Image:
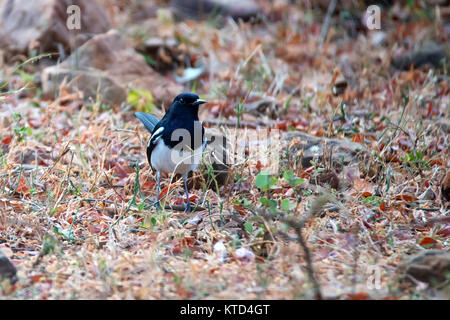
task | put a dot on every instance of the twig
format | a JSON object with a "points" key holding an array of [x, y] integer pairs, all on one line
{"points": [[112, 187], [326, 23], [63, 153], [298, 226], [178, 207], [20, 175], [233, 124]]}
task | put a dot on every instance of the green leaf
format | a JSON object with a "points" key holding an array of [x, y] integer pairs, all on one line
{"points": [[141, 100], [293, 181], [248, 227], [49, 245], [272, 204], [65, 233], [262, 180], [288, 175], [149, 60], [141, 206], [246, 203], [286, 205]]}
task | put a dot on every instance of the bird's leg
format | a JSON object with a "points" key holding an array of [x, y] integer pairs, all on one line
{"points": [[158, 178], [188, 204]]}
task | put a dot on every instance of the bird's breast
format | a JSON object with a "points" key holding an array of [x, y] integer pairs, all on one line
{"points": [[175, 160]]}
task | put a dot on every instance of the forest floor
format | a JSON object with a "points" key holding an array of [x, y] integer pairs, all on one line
{"points": [[75, 186]]}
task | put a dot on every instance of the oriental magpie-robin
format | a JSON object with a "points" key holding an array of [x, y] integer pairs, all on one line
{"points": [[177, 140]]}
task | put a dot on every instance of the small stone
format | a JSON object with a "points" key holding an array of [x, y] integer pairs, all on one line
{"points": [[7, 269], [430, 266], [445, 187], [326, 178], [427, 195], [245, 255], [203, 9], [343, 152], [431, 55], [220, 250], [339, 86]]}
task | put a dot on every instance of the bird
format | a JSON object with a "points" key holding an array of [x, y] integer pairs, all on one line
{"points": [[177, 140]]}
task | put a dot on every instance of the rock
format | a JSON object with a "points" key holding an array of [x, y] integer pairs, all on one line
{"points": [[88, 83], [204, 9], [264, 106], [42, 24], [31, 155], [216, 155], [378, 38], [430, 266], [326, 178], [443, 124], [427, 195], [445, 187], [431, 54], [107, 60], [7, 269], [220, 251], [313, 149], [339, 86], [244, 255], [166, 54]]}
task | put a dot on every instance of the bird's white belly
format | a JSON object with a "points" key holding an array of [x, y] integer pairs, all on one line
{"points": [[171, 161]]}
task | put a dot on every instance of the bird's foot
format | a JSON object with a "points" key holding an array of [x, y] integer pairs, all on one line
{"points": [[188, 207], [158, 205]]}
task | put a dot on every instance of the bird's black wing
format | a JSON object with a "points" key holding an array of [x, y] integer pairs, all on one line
{"points": [[149, 121], [153, 125], [157, 134]]}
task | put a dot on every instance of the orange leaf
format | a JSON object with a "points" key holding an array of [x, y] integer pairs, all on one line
{"points": [[435, 162], [405, 197], [444, 232], [430, 108], [241, 210], [192, 198], [165, 191], [359, 138], [358, 296], [148, 185], [22, 187], [96, 228], [362, 186], [383, 206], [428, 242], [301, 122], [188, 242], [7, 139], [367, 225], [282, 125]]}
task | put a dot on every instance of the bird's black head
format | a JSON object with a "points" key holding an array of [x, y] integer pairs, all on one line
{"points": [[186, 103], [188, 99]]}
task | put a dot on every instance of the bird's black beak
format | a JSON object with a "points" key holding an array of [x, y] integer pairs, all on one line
{"points": [[199, 101]]}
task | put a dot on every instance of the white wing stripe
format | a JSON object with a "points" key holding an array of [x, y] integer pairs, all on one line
{"points": [[156, 136]]}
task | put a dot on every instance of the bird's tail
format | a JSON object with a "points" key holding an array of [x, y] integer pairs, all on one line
{"points": [[148, 120]]}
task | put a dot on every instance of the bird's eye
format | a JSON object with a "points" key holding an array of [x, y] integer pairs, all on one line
{"points": [[182, 100]]}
